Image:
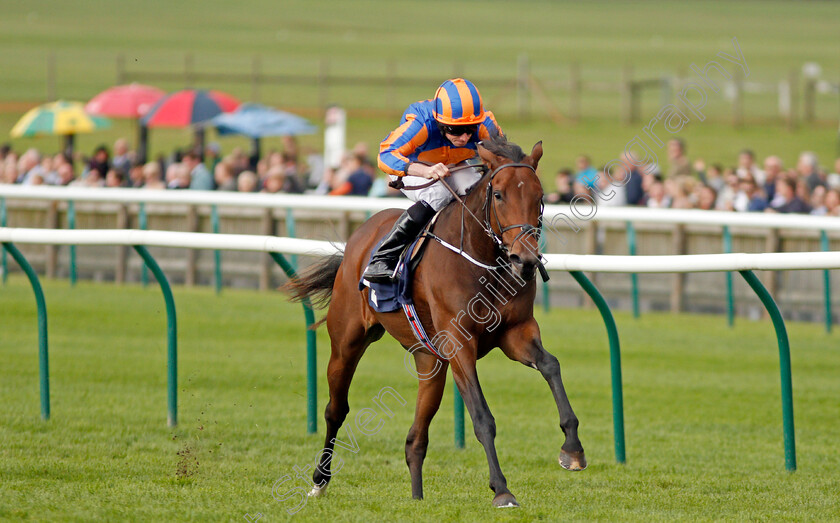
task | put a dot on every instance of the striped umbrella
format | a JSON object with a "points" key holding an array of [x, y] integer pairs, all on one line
{"points": [[188, 107], [58, 118], [61, 118]]}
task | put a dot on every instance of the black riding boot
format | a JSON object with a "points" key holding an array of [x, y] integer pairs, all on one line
{"points": [[383, 263]]}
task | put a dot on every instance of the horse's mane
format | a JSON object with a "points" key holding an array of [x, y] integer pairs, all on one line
{"points": [[500, 146]]}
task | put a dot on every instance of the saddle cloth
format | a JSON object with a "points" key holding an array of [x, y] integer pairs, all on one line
{"points": [[389, 297]]}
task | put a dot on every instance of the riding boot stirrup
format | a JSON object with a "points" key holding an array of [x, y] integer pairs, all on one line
{"points": [[383, 263]]}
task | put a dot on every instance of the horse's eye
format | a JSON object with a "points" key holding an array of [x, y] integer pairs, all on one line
{"points": [[497, 195]]}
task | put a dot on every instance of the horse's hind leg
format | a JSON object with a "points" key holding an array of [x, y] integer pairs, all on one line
{"points": [[523, 344], [348, 345], [429, 394]]}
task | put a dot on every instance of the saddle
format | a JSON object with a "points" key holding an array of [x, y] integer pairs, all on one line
{"points": [[389, 297]]}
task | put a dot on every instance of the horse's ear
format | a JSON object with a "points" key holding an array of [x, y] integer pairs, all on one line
{"points": [[536, 154], [489, 158]]}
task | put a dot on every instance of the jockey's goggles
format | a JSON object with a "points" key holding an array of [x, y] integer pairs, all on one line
{"points": [[458, 130]]}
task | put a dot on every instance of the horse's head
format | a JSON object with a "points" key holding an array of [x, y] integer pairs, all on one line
{"points": [[513, 205]]}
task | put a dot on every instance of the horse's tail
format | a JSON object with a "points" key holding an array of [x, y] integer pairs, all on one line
{"points": [[316, 282]]}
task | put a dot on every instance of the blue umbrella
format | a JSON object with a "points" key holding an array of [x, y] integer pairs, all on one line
{"points": [[257, 121]]}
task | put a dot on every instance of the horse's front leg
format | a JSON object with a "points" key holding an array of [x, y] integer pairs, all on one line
{"points": [[523, 344], [464, 373]]}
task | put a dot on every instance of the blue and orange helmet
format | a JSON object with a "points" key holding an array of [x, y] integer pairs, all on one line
{"points": [[458, 102]]}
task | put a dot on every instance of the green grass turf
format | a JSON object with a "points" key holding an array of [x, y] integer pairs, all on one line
{"points": [[431, 42], [704, 435]]}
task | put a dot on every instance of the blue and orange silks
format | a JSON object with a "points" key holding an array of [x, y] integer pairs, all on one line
{"points": [[419, 139]]}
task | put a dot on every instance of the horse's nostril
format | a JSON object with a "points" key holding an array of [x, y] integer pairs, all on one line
{"points": [[515, 259]]}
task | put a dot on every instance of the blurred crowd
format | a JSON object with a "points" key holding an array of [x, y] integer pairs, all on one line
{"points": [[747, 186], [682, 183], [289, 170]]}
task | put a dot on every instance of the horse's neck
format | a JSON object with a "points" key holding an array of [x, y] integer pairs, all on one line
{"points": [[475, 240]]}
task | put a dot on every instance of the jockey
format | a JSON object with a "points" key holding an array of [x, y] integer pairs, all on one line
{"points": [[438, 132]]}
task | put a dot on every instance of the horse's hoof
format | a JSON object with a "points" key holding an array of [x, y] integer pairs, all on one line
{"points": [[317, 491], [574, 461], [505, 500]]}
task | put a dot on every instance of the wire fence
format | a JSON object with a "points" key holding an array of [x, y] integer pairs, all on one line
{"points": [[521, 89]]}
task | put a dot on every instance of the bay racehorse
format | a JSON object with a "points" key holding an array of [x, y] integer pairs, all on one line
{"points": [[496, 228]]}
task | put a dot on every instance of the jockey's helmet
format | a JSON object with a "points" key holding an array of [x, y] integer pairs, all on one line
{"points": [[458, 102]]}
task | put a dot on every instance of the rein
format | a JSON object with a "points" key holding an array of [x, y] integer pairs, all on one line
{"points": [[486, 225]]}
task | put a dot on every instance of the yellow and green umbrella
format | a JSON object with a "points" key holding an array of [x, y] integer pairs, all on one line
{"points": [[58, 118]]}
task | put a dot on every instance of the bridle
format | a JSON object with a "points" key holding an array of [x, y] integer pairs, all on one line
{"points": [[487, 225], [490, 206]]}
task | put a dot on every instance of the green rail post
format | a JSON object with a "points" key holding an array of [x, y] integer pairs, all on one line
{"points": [[290, 232], [217, 254], [311, 353], [730, 298], [458, 417], [171, 335], [826, 284], [141, 218], [634, 278], [43, 349], [615, 362], [71, 224], [784, 366], [4, 266]]}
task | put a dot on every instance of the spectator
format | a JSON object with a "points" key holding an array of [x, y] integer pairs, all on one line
{"points": [[786, 200], [135, 175], [212, 156], [246, 182], [562, 188], [28, 165], [358, 182], [657, 199], [746, 165], [726, 196], [831, 204], [177, 176], [123, 158], [200, 178], [93, 179], [714, 177], [680, 190], [100, 162], [274, 181], [749, 197], [223, 176], [291, 182], [807, 169], [607, 194], [706, 198], [633, 185], [773, 170], [152, 176], [679, 163], [833, 179], [114, 178], [64, 174], [586, 174]]}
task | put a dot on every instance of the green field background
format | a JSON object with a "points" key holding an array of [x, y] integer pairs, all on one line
{"points": [[430, 42], [702, 402]]}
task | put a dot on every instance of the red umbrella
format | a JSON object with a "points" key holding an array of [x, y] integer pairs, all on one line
{"points": [[124, 101], [188, 107]]}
